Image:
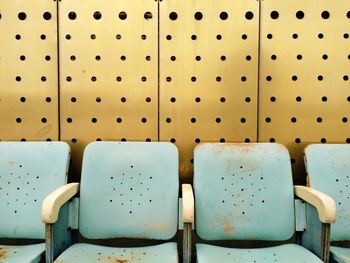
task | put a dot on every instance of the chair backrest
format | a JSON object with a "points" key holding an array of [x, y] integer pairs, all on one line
{"points": [[243, 192], [129, 189], [328, 167], [29, 171]]}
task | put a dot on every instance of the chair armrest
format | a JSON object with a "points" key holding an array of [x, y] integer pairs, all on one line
{"points": [[187, 204], [324, 204], [53, 203]]}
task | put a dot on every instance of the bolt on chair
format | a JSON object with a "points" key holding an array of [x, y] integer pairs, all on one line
{"points": [[29, 171], [328, 167], [245, 192], [127, 190]]}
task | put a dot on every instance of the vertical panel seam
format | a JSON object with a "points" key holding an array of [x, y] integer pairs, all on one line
{"points": [[158, 68], [58, 72], [259, 72]]}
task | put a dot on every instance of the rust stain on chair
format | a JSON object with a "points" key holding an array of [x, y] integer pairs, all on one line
{"points": [[3, 253]]}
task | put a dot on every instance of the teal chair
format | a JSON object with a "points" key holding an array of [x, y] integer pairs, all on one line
{"points": [[328, 167], [29, 171], [245, 192], [128, 190]]}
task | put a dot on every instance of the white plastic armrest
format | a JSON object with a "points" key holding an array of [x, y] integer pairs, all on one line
{"points": [[187, 204], [53, 203], [324, 204]]}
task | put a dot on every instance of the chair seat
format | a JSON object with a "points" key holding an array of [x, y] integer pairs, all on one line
{"points": [[23, 254], [86, 253], [290, 253], [340, 254]]}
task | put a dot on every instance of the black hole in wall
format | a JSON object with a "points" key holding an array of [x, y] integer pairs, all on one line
{"points": [[222, 99], [22, 99], [223, 15], [248, 58], [148, 99], [325, 57], [274, 14], [97, 15], [18, 120], [244, 36], [295, 36], [193, 37], [344, 119], [118, 36], [293, 119], [22, 16], [123, 99], [22, 58], [269, 36], [346, 36], [323, 140], [93, 36], [300, 14], [198, 15], [68, 37], [173, 140], [143, 37], [325, 14], [42, 37], [223, 58], [47, 16], [119, 120], [69, 120], [193, 120], [348, 14], [298, 99], [43, 78], [319, 119], [294, 78], [48, 99], [173, 16], [272, 140], [273, 99], [73, 99], [148, 15], [18, 37], [218, 37], [198, 99], [320, 35], [168, 37], [247, 140], [143, 120], [243, 120], [324, 98], [249, 15], [18, 78], [72, 15], [168, 120], [273, 57], [268, 119], [123, 15], [94, 120]]}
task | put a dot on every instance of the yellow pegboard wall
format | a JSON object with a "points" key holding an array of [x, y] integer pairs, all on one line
{"points": [[208, 74], [108, 72], [304, 75], [28, 70]]}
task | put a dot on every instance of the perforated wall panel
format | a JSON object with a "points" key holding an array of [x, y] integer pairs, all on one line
{"points": [[28, 70], [208, 73]]}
